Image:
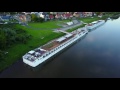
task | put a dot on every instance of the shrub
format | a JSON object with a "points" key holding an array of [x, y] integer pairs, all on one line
{"points": [[39, 19]]}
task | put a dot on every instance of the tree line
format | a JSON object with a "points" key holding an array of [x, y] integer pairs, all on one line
{"points": [[10, 35]]}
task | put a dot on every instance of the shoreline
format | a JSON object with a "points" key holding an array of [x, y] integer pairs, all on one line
{"points": [[7, 66]]}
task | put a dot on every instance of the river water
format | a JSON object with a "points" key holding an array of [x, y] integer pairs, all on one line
{"points": [[96, 55]]}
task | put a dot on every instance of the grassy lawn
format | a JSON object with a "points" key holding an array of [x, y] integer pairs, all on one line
{"points": [[89, 19], [39, 37], [49, 24], [70, 30]]}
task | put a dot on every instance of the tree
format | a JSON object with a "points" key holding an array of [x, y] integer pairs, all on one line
{"points": [[1, 55], [98, 13], [2, 40], [54, 14], [33, 17]]}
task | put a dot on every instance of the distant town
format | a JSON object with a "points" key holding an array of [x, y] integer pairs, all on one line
{"points": [[30, 16]]}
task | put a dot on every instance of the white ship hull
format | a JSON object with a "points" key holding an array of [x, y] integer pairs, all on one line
{"points": [[96, 25], [54, 51]]}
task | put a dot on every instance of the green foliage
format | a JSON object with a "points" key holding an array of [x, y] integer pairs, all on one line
{"points": [[1, 55], [2, 40], [10, 35], [33, 17], [36, 19], [98, 13], [39, 19]]}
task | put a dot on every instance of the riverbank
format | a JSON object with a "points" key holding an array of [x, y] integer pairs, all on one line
{"points": [[39, 37], [87, 20]]}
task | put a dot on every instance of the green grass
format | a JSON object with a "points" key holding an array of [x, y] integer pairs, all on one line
{"points": [[49, 24], [73, 29], [18, 50], [89, 19]]}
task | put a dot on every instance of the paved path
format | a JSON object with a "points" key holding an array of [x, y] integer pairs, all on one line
{"points": [[64, 32], [66, 28]]}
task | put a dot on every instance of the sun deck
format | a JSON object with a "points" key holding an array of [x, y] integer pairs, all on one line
{"points": [[47, 48], [34, 54], [57, 42]]}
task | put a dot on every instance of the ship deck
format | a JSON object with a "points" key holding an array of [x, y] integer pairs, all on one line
{"points": [[38, 52], [55, 43]]}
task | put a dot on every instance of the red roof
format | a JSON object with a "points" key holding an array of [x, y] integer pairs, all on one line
{"points": [[51, 16], [67, 15]]}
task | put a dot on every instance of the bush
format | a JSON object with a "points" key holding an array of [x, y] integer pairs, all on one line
{"points": [[1, 55], [39, 19], [18, 31], [33, 17]]}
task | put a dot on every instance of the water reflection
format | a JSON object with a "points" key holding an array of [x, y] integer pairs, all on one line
{"points": [[39, 67]]}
